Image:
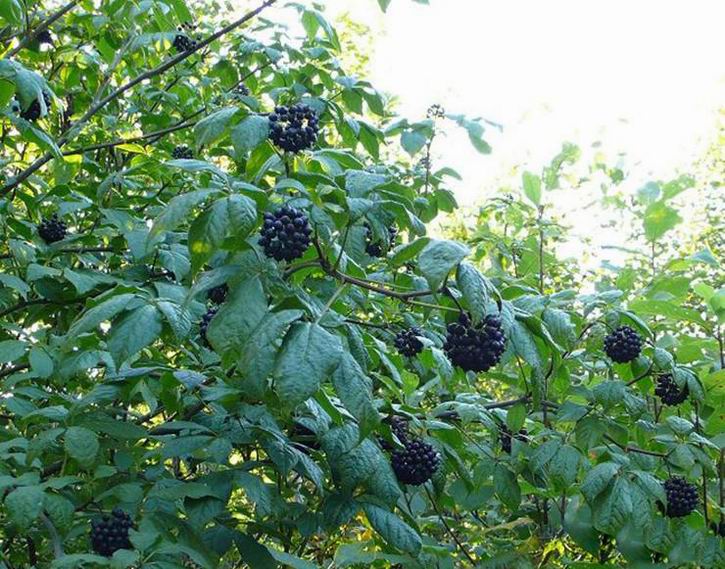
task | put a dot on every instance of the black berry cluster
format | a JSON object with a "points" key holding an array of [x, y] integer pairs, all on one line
{"points": [[407, 342], [669, 392], [378, 248], [44, 37], [623, 345], [33, 112], [241, 90], [182, 152], [52, 230], [436, 111], [205, 321], [183, 42], [681, 497], [110, 533], [218, 294], [285, 234], [475, 348], [506, 436], [416, 463], [294, 128], [399, 426]]}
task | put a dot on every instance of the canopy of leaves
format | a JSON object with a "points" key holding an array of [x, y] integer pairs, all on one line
{"points": [[265, 440]]}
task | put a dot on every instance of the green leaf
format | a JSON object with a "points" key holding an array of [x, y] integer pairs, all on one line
{"points": [[82, 445], [309, 355], [438, 259], [24, 505], [515, 417], [659, 218], [532, 187], [212, 127], [355, 391], [40, 362], [134, 331], [242, 312], [506, 487], [256, 555], [476, 289], [100, 313], [412, 141], [178, 210], [259, 352], [613, 508], [393, 530], [11, 350], [231, 217], [598, 479], [249, 134]]}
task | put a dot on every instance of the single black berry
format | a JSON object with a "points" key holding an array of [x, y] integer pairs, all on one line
{"points": [[399, 427], [285, 234], [110, 533], [623, 345], [682, 497], [379, 248], [293, 128], [416, 463], [669, 392], [505, 437], [33, 112], [44, 37], [475, 348], [407, 342], [184, 43], [205, 321], [218, 294], [52, 230], [182, 152]]}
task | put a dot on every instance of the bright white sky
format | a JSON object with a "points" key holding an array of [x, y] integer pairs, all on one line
{"points": [[644, 77]]}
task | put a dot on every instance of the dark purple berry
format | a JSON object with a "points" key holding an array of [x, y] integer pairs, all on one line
{"points": [[52, 230], [416, 463], [182, 152], [205, 321], [407, 342], [218, 294], [110, 533], [682, 498], [285, 234], [669, 392], [295, 128], [379, 248]]}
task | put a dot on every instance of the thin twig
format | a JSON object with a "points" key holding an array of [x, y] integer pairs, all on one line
{"points": [[42, 26], [448, 528]]}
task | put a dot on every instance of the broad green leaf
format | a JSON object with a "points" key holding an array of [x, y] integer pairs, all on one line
{"points": [[659, 218], [212, 127], [242, 312], [476, 288], [82, 445], [309, 356], [134, 331], [99, 313], [438, 259], [178, 210], [23, 505], [598, 479], [354, 389], [249, 133], [393, 530], [532, 187], [506, 487]]}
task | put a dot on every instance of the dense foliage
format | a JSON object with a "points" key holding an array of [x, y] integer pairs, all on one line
{"points": [[226, 339]]}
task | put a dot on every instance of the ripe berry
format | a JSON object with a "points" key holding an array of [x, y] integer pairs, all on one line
{"points": [[293, 128], [52, 230], [682, 497], [33, 112], [378, 248], [110, 533], [182, 152], [475, 348], [505, 437], [205, 321], [218, 294], [399, 426], [285, 234], [416, 463], [184, 43], [44, 37], [623, 345], [407, 342], [669, 392]]}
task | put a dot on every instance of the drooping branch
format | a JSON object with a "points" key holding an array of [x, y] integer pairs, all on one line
{"points": [[75, 128]]}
